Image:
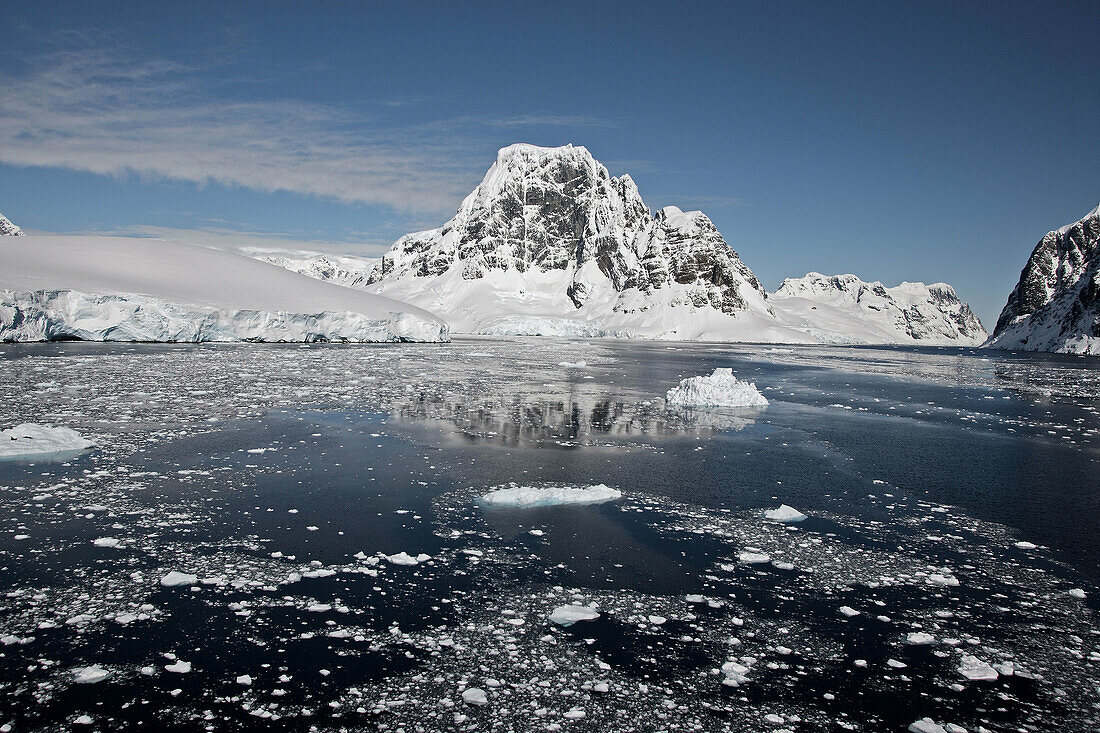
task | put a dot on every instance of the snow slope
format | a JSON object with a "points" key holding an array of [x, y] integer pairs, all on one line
{"points": [[842, 309], [550, 244], [1056, 304], [130, 289], [346, 270]]}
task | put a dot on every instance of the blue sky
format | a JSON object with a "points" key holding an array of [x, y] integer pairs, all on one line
{"points": [[925, 141]]}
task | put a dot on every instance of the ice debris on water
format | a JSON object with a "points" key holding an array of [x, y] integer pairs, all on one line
{"points": [[720, 389], [536, 496]]}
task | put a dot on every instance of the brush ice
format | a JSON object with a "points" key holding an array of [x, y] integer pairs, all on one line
{"points": [[532, 496], [130, 289], [571, 614], [30, 440], [784, 514], [720, 389]]}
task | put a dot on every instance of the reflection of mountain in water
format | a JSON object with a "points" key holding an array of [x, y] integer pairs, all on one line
{"points": [[569, 420]]}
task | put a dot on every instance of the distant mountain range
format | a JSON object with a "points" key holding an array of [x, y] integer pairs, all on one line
{"points": [[550, 244]]}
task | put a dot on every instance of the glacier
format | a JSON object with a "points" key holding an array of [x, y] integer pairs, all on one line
{"points": [[132, 289], [1056, 303]]}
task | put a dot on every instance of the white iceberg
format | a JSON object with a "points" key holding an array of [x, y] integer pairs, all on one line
{"points": [[720, 389], [536, 496], [30, 441], [571, 614], [784, 514]]}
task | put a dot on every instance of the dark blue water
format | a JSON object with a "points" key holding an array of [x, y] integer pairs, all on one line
{"points": [[282, 477]]}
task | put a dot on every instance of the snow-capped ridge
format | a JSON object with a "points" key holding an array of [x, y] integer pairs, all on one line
{"points": [[846, 309], [1055, 305], [549, 233], [7, 229]]}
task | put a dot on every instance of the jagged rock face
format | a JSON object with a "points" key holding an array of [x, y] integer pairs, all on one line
{"points": [[558, 209], [7, 229], [1056, 304], [907, 312]]}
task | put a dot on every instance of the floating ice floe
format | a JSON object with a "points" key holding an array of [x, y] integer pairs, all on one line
{"points": [[571, 614], [404, 558], [1078, 593], [179, 667], [35, 441], [90, 675], [176, 578], [919, 638], [784, 514], [534, 496], [106, 542], [474, 696], [720, 389], [973, 668]]}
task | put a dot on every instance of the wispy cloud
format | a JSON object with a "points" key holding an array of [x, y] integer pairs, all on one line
{"points": [[97, 109], [250, 242]]}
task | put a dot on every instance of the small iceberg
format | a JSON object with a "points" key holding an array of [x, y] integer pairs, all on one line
{"points": [[571, 614], [524, 497], [40, 441], [784, 514], [720, 389]]}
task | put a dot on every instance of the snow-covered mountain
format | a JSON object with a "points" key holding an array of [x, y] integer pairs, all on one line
{"points": [[346, 270], [550, 244], [7, 229], [131, 289], [1056, 304], [845, 309]]}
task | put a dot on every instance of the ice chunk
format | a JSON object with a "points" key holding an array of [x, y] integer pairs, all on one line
{"points": [[919, 638], [474, 696], [1078, 593], [531, 496], [849, 611], [754, 558], [720, 389], [179, 667], [973, 668], [106, 542], [32, 441], [571, 614], [784, 514], [176, 578], [90, 675], [926, 725], [404, 558]]}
